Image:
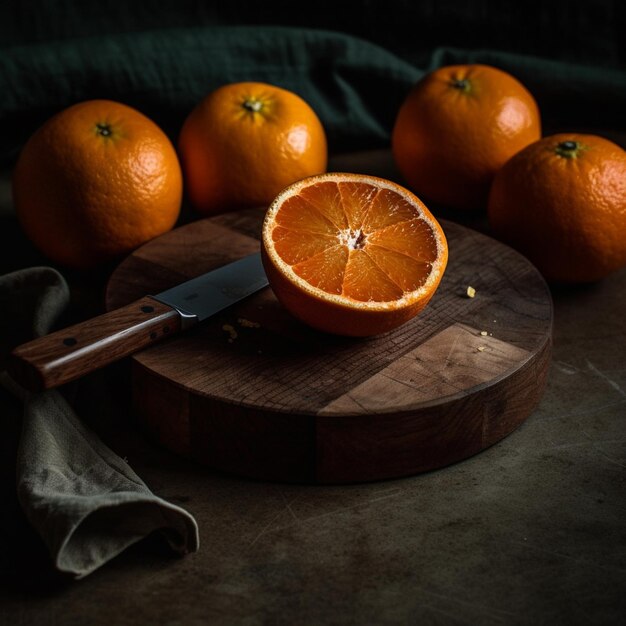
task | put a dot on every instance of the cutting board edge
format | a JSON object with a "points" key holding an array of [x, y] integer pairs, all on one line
{"points": [[306, 460]]}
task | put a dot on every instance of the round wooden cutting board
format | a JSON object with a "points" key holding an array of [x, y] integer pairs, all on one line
{"points": [[254, 392]]}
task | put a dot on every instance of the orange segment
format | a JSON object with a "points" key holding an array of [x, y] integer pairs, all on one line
{"points": [[414, 238], [294, 248], [298, 214], [325, 270], [356, 199], [325, 198], [365, 281], [352, 254], [387, 208], [406, 272]]}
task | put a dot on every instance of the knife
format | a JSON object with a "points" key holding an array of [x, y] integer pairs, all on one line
{"points": [[72, 352]]}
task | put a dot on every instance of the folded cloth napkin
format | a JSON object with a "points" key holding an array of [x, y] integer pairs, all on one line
{"points": [[86, 502]]}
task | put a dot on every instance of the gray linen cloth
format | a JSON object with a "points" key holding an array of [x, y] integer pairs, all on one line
{"points": [[85, 501]]}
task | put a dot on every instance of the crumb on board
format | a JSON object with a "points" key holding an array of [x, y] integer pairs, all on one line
{"points": [[231, 331], [471, 292], [483, 333], [480, 348], [247, 323]]}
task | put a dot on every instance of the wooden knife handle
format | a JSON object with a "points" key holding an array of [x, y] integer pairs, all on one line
{"points": [[77, 350]]}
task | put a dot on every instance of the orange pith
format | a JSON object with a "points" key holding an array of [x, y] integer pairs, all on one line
{"points": [[352, 254]]}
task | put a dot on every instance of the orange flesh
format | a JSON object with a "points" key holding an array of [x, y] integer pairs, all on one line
{"points": [[355, 240]]}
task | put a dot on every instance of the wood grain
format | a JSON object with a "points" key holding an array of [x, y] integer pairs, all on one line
{"points": [[72, 352], [254, 392]]}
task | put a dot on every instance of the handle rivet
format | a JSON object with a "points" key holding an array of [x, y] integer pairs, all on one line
{"points": [[147, 309], [70, 341], [166, 329]]}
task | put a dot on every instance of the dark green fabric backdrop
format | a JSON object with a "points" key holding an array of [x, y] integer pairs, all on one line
{"points": [[353, 62]]}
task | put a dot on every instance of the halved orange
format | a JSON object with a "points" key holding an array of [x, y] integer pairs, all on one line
{"points": [[352, 254]]}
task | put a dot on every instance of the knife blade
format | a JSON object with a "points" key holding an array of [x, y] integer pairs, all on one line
{"points": [[72, 352]]}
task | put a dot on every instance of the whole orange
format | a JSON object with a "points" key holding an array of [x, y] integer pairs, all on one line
{"points": [[457, 127], [562, 202], [246, 141], [94, 182]]}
